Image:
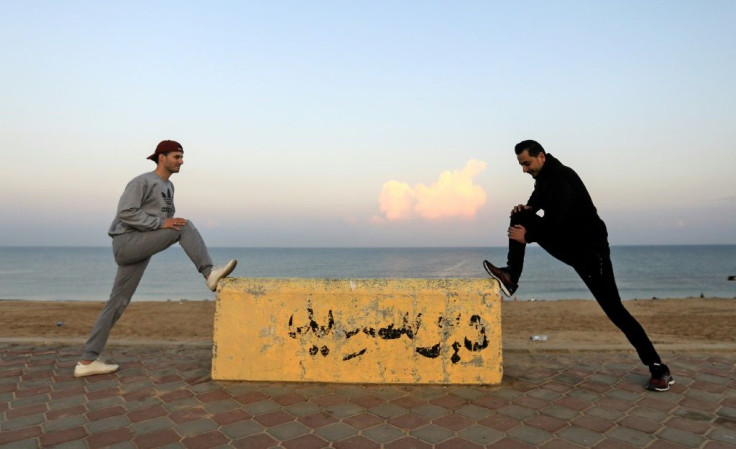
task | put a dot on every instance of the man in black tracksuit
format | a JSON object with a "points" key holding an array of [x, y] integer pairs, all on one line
{"points": [[571, 231]]}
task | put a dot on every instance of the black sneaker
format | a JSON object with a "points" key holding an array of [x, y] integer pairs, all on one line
{"points": [[502, 276], [661, 378]]}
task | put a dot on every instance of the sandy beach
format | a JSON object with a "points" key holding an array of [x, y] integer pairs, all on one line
{"points": [[673, 324]]}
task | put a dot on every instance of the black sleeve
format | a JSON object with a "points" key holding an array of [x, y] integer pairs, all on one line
{"points": [[558, 212]]}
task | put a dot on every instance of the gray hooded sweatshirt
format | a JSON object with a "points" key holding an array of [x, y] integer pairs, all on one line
{"points": [[146, 202]]}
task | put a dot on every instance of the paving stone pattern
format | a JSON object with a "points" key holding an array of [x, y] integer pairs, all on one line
{"points": [[163, 397]]}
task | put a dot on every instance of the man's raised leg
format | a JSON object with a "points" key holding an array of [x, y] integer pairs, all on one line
{"points": [[508, 276], [194, 246]]}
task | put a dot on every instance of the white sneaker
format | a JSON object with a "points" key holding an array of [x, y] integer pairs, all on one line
{"points": [[96, 367], [219, 273]]}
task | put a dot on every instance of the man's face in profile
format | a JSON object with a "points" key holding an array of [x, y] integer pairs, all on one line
{"points": [[531, 164]]}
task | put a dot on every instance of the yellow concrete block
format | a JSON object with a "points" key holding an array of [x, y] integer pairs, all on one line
{"points": [[412, 331]]}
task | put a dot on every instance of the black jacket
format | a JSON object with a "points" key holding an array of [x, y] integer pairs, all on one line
{"points": [[569, 213]]}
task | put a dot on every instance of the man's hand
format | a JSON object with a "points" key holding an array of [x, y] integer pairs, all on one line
{"points": [[520, 207], [174, 223], [517, 233]]}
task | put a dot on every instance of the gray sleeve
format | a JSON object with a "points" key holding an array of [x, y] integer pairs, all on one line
{"points": [[130, 207]]}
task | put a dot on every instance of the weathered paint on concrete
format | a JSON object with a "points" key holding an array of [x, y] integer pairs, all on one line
{"points": [[426, 331]]}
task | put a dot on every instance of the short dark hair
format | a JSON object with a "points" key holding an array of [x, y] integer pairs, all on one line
{"points": [[532, 146]]}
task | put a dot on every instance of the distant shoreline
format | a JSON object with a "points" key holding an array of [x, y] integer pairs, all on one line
{"points": [[87, 273]]}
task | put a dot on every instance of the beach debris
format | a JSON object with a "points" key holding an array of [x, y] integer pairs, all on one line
{"points": [[538, 338], [59, 323]]}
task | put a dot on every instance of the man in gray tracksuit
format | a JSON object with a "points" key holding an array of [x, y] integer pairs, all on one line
{"points": [[145, 225]]}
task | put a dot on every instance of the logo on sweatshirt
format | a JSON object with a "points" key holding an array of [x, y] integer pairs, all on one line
{"points": [[169, 200]]}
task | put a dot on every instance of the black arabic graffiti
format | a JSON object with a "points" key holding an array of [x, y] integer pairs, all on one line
{"points": [[392, 332], [319, 331]]}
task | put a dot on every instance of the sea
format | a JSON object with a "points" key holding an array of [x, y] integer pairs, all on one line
{"points": [[642, 272]]}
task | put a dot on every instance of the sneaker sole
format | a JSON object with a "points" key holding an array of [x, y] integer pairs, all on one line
{"points": [[95, 373], [669, 384], [500, 284], [229, 268]]}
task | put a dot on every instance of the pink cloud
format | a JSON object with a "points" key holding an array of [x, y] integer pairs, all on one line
{"points": [[397, 200], [453, 195]]}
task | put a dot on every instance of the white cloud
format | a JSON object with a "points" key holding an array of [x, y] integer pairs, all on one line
{"points": [[453, 195]]}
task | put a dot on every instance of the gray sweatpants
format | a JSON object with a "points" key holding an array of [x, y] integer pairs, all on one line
{"points": [[132, 253]]}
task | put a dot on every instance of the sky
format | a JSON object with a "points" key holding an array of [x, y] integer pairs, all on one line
{"points": [[379, 124]]}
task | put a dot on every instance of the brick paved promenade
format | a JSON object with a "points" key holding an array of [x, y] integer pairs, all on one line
{"points": [[163, 397]]}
